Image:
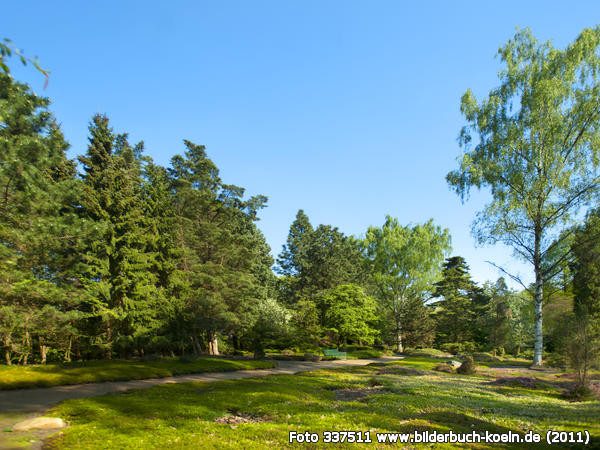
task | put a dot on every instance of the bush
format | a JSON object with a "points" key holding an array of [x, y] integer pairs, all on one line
{"points": [[187, 358], [485, 357], [428, 352], [557, 361], [469, 347], [366, 354], [225, 344], [452, 347], [312, 357], [354, 348], [467, 367]]}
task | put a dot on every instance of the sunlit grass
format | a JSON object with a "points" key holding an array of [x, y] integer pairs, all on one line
{"points": [[183, 415], [19, 377]]}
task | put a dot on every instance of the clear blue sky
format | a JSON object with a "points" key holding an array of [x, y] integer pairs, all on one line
{"points": [[346, 109]]}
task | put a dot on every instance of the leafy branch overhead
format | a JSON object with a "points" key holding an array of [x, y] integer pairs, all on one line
{"points": [[534, 142], [7, 49]]}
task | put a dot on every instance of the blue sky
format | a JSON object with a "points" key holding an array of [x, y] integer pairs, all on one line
{"points": [[346, 109]]}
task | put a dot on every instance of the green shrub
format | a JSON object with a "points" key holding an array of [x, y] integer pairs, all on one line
{"points": [[469, 347], [485, 357], [187, 358], [366, 354], [452, 347], [354, 348], [467, 367], [428, 352], [557, 360]]}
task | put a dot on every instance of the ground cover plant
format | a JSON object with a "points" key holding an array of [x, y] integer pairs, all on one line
{"points": [[20, 377], [253, 413]]}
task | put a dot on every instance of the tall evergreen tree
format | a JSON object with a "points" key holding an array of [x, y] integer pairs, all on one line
{"points": [[461, 304], [224, 255], [317, 259], [122, 289], [39, 232]]}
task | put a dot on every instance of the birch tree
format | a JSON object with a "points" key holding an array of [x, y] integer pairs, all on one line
{"points": [[537, 151]]}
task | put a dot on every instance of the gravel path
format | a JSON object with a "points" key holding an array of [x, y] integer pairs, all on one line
{"points": [[43, 398]]}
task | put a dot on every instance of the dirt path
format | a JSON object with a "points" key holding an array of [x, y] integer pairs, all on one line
{"points": [[43, 398]]}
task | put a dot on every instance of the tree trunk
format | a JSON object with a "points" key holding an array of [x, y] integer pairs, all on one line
{"points": [[213, 344], [539, 295], [27, 346], [399, 346], [108, 340], [68, 350], [396, 306], [43, 353], [7, 355], [195, 345]]}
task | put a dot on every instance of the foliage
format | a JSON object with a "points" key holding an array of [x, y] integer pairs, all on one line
{"points": [[467, 367], [40, 232], [349, 313], [314, 260], [507, 318], [462, 303], [7, 48], [121, 286], [583, 344], [272, 322], [405, 262], [539, 137]]}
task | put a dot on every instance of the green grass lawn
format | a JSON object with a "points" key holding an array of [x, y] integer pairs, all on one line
{"points": [[19, 377], [257, 413]]}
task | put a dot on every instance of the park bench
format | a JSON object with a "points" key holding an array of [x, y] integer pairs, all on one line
{"points": [[334, 352]]}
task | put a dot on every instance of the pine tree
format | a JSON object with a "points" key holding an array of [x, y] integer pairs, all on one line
{"points": [[224, 255]]}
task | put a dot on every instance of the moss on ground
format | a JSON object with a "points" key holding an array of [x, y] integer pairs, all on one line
{"points": [[21, 377], [260, 412]]}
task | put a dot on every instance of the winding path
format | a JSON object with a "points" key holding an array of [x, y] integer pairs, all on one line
{"points": [[43, 398]]}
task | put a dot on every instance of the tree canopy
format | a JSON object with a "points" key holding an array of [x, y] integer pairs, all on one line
{"points": [[534, 142], [406, 262]]}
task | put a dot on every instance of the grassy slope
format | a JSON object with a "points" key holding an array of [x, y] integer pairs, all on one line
{"points": [[19, 377], [183, 415]]}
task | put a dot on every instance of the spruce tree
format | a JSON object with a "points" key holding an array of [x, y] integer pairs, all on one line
{"points": [[122, 289]]}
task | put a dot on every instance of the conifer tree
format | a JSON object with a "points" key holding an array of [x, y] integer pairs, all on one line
{"points": [[39, 232], [224, 255], [122, 289], [458, 310]]}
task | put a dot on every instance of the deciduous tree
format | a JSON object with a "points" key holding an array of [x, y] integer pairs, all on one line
{"points": [[537, 149], [406, 262]]}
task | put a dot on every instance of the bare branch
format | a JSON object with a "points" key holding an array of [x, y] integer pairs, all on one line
{"points": [[513, 277]]}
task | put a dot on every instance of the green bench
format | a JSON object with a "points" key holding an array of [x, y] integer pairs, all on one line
{"points": [[334, 352]]}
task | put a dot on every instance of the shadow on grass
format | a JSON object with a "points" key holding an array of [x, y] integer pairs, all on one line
{"points": [[307, 401]]}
